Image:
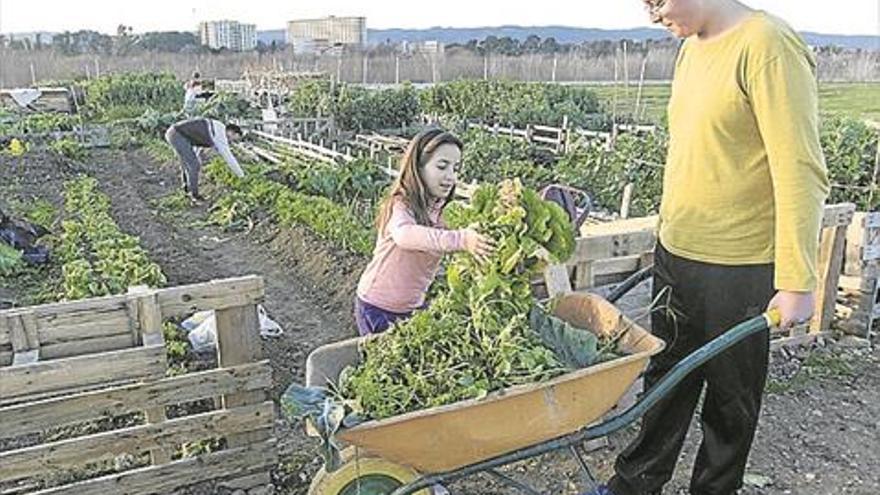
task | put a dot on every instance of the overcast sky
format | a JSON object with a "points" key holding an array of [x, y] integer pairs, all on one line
{"points": [[839, 16]]}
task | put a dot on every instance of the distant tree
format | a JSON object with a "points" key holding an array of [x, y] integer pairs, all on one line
{"points": [[532, 44], [168, 41], [549, 45], [123, 41], [83, 41]]}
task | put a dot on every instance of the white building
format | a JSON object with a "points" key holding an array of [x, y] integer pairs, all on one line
{"points": [[231, 35], [312, 35]]}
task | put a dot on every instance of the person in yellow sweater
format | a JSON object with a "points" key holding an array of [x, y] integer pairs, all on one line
{"points": [[743, 192]]}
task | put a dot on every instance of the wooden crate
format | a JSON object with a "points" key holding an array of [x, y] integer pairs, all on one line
{"points": [[79, 362], [861, 272], [51, 100]]}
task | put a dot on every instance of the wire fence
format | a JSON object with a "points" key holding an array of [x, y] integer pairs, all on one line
{"points": [[24, 68]]}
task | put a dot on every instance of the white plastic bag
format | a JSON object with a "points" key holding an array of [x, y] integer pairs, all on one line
{"points": [[201, 329], [268, 326]]}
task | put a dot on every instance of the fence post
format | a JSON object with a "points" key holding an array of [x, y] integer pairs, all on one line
{"points": [[627, 200], [876, 176], [365, 68], [831, 249], [238, 342], [145, 305], [565, 135]]}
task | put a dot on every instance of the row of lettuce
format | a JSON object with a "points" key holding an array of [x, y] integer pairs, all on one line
{"points": [[91, 257]]}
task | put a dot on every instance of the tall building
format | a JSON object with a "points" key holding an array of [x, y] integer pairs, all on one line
{"points": [[231, 35], [309, 35]]}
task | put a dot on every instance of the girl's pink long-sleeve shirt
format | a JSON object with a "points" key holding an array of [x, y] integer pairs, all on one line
{"points": [[405, 261]]}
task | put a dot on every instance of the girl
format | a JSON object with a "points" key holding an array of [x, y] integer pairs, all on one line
{"points": [[411, 236]]}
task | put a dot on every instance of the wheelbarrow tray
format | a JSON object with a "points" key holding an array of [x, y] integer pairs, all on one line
{"points": [[452, 436]]}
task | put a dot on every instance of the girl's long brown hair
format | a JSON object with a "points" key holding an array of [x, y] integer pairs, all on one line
{"points": [[408, 187]]}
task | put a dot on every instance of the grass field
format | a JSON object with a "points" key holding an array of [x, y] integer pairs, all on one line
{"points": [[860, 100]]}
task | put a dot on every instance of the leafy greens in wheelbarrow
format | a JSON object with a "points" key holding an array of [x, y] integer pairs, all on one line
{"points": [[482, 332]]}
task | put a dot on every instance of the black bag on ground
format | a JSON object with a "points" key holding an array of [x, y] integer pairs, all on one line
{"points": [[23, 235]]}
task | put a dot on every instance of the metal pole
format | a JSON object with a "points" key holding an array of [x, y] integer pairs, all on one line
{"points": [[641, 84], [366, 67], [625, 71]]}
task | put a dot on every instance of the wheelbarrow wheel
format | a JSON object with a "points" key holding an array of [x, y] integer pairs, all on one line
{"points": [[361, 473]]}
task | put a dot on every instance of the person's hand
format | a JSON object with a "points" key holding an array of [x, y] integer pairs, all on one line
{"points": [[478, 245], [794, 307]]}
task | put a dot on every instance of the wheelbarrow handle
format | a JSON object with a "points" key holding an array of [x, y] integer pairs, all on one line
{"points": [[683, 368], [673, 377]]}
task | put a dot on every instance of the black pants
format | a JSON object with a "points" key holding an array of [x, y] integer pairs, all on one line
{"points": [[706, 300], [190, 162]]}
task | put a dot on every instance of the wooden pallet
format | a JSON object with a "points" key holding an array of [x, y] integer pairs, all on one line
{"points": [[79, 362], [608, 253], [51, 100], [862, 271]]}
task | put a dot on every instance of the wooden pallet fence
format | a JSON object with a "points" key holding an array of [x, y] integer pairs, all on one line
{"points": [[549, 137], [79, 362], [862, 271], [280, 146], [294, 126], [609, 252]]}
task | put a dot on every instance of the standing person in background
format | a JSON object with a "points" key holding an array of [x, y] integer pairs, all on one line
{"points": [[192, 90], [743, 192], [187, 135]]}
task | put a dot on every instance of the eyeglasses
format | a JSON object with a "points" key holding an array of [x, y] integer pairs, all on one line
{"points": [[654, 7]]}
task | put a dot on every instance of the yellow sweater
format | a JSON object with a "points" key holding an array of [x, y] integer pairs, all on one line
{"points": [[745, 179]]}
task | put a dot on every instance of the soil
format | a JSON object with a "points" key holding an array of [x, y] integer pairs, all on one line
{"points": [[819, 432]]}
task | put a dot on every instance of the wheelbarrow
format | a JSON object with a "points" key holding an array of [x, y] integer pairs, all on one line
{"points": [[410, 453]]}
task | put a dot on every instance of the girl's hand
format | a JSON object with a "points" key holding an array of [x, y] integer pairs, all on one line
{"points": [[480, 246]]}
